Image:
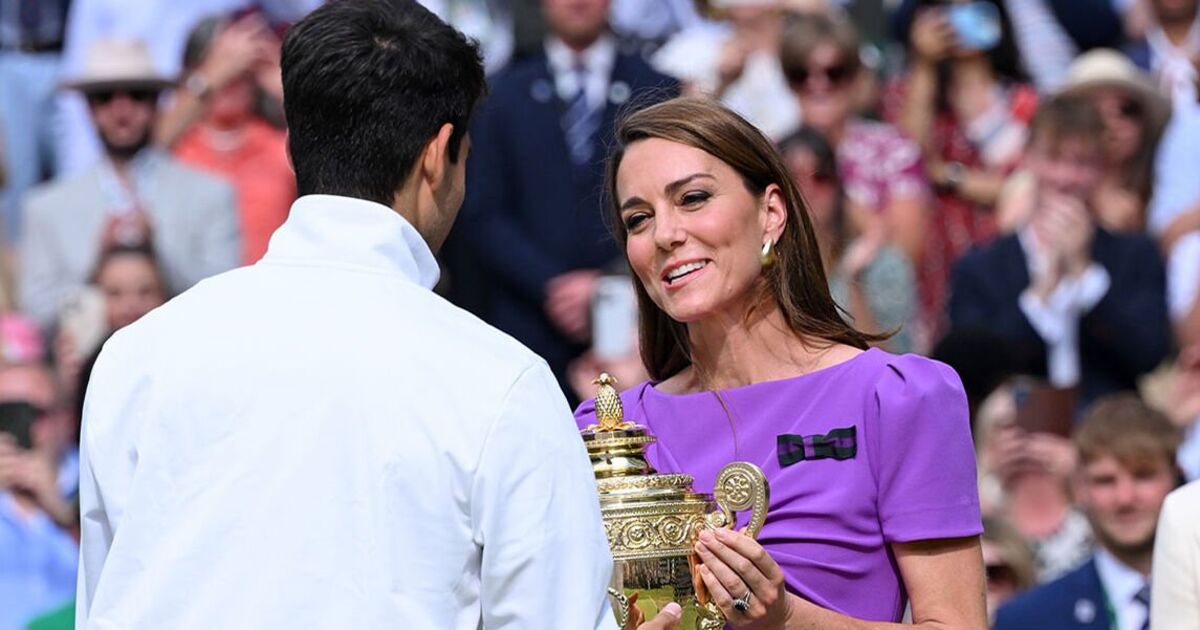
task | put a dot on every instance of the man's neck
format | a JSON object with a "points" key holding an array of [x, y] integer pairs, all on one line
{"points": [[1138, 560], [1176, 30], [579, 45]]}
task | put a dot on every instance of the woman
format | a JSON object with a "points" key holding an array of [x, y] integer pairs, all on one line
{"points": [[881, 169], [747, 351], [868, 277], [735, 60], [969, 109], [1008, 562], [230, 138], [131, 282]]}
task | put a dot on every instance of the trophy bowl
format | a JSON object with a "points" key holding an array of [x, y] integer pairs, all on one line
{"points": [[652, 520]]}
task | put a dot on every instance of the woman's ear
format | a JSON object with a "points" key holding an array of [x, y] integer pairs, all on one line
{"points": [[774, 213]]}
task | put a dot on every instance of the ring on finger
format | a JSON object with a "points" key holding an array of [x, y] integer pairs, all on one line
{"points": [[742, 604]]}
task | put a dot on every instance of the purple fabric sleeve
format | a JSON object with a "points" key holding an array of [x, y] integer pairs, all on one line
{"points": [[922, 454]]}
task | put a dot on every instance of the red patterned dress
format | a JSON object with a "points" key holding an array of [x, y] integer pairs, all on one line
{"points": [[955, 224]]}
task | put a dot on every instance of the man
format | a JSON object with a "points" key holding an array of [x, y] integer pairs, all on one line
{"points": [[1126, 468], [163, 25], [533, 218], [1170, 48], [38, 475], [1081, 306], [1177, 562], [135, 194], [31, 42], [319, 440]]}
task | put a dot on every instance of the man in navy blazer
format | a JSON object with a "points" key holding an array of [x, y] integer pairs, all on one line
{"points": [[1126, 455], [1077, 304], [532, 221]]}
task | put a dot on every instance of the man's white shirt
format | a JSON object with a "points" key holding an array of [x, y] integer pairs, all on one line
{"points": [[320, 441]]}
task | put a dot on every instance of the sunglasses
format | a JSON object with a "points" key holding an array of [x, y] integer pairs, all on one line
{"points": [[1131, 109], [1001, 573], [836, 74], [107, 96]]}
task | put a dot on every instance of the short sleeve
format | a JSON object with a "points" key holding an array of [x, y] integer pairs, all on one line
{"points": [[922, 454]]}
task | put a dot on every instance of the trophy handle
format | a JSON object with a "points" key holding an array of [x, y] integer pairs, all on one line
{"points": [[622, 606], [740, 486]]}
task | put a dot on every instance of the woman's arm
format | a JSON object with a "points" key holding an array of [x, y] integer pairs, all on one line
{"points": [[944, 579], [975, 185], [905, 217]]}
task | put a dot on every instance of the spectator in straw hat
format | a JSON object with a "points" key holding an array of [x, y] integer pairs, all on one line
{"points": [[134, 195], [1134, 114]]}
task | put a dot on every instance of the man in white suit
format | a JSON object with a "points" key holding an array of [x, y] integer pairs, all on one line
{"points": [[134, 194], [319, 440], [1176, 576]]}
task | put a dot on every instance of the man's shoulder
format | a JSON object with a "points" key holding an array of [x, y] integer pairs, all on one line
{"points": [[1184, 502], [417, 320], [986, 256], [185, 181], [460, 328], [1076, 596], [62, 194]]}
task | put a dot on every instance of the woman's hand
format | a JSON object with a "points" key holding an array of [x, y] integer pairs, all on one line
{"points": [[932, 37], [736, 566]]}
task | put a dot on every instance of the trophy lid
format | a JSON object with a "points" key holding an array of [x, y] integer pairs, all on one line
{"points": [[617, 449]]}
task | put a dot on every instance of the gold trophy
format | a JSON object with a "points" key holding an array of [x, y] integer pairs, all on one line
{"points": [[652, 520]]}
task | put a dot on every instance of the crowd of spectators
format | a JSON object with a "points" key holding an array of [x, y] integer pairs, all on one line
{"points": [[1006, 185]]}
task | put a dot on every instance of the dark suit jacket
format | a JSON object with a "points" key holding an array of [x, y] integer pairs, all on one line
{"points": [[1124, 336], [1074, 601], [529, 213]]}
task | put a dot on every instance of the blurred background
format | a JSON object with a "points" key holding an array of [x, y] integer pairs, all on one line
{"points": [[1009, 185]]}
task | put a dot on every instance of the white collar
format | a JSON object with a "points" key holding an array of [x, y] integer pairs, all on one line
{"points": [[353, 232], [597, 58], [1120, 581]]}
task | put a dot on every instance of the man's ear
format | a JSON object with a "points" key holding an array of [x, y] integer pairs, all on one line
{"points": [[435, 157]]}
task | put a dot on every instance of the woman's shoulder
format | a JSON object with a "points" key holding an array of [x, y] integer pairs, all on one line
{"points": [[916, 383]]}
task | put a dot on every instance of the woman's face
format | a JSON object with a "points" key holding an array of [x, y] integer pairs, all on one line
{"points": [[1123, 114], [131, 289], [695, 233], [825, 93], [1001, 579], [819, 188], [233, 104]]}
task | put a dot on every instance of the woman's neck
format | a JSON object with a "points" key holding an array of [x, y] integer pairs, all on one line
{"points": [[970, 91], [223, 137], [733, 350], [971, 77], [762, 33]]}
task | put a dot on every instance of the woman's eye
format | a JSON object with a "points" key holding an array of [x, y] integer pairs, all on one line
{"points": [[634, 220], [695, 198]]}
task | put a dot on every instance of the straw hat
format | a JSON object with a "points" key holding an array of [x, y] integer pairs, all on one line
{"points": [[115, 64], [1104, 67]]}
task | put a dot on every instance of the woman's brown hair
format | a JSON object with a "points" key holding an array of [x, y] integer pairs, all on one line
{"points": [[795, 282]]}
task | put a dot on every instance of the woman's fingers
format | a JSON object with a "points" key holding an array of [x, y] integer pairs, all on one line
{"points": [[749, 548], [737, 573]]}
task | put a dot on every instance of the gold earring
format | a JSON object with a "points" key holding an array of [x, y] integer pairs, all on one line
{"points": [[768, 253]]}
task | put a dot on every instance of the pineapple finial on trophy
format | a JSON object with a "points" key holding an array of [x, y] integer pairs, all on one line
{"points": [[610, 414]]}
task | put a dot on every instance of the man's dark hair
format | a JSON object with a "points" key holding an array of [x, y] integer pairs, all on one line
{"points": [[366, 85], [1064, 118]]}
